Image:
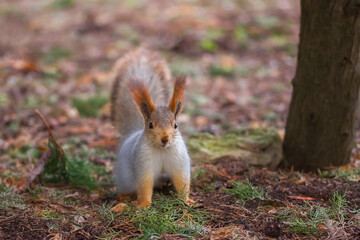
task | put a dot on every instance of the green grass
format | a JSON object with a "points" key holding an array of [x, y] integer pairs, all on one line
{"points": [[339, 206], [308, 225], [167, 215], [246, 191], [8, 199], [56, 53], [221, 71], [308, 220], [352, 174], [209, 45], [89, 107], [241, 36], [60, 4], [4, 100], [106, 215]]}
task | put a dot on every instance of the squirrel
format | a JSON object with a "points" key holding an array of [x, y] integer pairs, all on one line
{"points": [[152, 147]]}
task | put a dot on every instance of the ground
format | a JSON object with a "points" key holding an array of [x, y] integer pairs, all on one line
{"points": [[55, 56]]}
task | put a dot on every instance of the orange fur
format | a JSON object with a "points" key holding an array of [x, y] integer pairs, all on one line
{"points": [[178, 94], [140, 93], [182, 186], [144, 191]]}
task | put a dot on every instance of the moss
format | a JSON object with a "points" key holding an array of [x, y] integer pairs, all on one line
{"points": [[90, 107], [256, 145]]}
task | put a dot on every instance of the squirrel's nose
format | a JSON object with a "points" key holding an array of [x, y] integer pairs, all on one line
{"points": [[164, 140]]}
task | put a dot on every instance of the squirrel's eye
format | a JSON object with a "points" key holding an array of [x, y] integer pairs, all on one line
{"points": [[175, 126], [151, 126]]}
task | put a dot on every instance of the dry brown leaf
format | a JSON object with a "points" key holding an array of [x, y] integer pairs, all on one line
{"points": [[81, 130], [119, 208], [302, 198], [107, 142], [201, 121], [23, 65]]}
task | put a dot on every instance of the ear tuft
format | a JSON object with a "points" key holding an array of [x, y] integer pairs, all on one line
{"points": [[141, 96], [176, 102]]}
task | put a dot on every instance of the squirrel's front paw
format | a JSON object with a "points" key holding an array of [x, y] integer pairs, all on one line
{"points": [[144, 204], [190, 201]]}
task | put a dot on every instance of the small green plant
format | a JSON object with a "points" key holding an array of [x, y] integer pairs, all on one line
{"points": [[241, 36], [56, 53], [309, 225], [352, 174], [49, 214], [90, 107], [216, 70], [60, 4], [107, 216], [247, 191], [325, 173], [339, 204], [53, 225], [284, 214], [209, 42], [3, 100], [167, 215], [209, 45], [35, 193], [308, 222], [61, 167], [8, 199]]}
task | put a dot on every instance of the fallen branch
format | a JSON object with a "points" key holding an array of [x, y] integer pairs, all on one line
{"points": [[44, 158], [51, 135], [37, 170]]}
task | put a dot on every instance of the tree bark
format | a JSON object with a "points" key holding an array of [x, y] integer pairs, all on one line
{"points": [[321, 123]]}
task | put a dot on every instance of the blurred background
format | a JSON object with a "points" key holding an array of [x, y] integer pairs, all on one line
{"points": [[55, 55]]}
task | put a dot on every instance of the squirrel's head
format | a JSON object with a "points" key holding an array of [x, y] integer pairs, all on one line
{"points": [[160, 122]]}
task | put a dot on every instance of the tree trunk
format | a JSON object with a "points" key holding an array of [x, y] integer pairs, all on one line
{"points": [[321, 122]]}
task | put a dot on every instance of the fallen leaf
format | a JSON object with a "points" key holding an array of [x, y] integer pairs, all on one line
{"points": [[79, 219], [201, 121], [107, 142], [119, 208], [302, 198], [23, 65]]}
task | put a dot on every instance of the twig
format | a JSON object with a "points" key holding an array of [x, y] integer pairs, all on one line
{"points": [[37, 170], [44, 158], [51, 135]]}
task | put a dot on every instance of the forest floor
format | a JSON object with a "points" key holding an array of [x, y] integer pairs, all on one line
{"points": [[55, 56]]}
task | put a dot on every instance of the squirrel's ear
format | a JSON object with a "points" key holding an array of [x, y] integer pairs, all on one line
{"points": [[141, 96], [176, 102], [145, 110]]}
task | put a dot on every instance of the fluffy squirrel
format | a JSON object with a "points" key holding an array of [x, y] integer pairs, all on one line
{"points": [[152, 147]]}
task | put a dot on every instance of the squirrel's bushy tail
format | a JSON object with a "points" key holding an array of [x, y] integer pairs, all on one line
{"points": [[147, 67]]}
